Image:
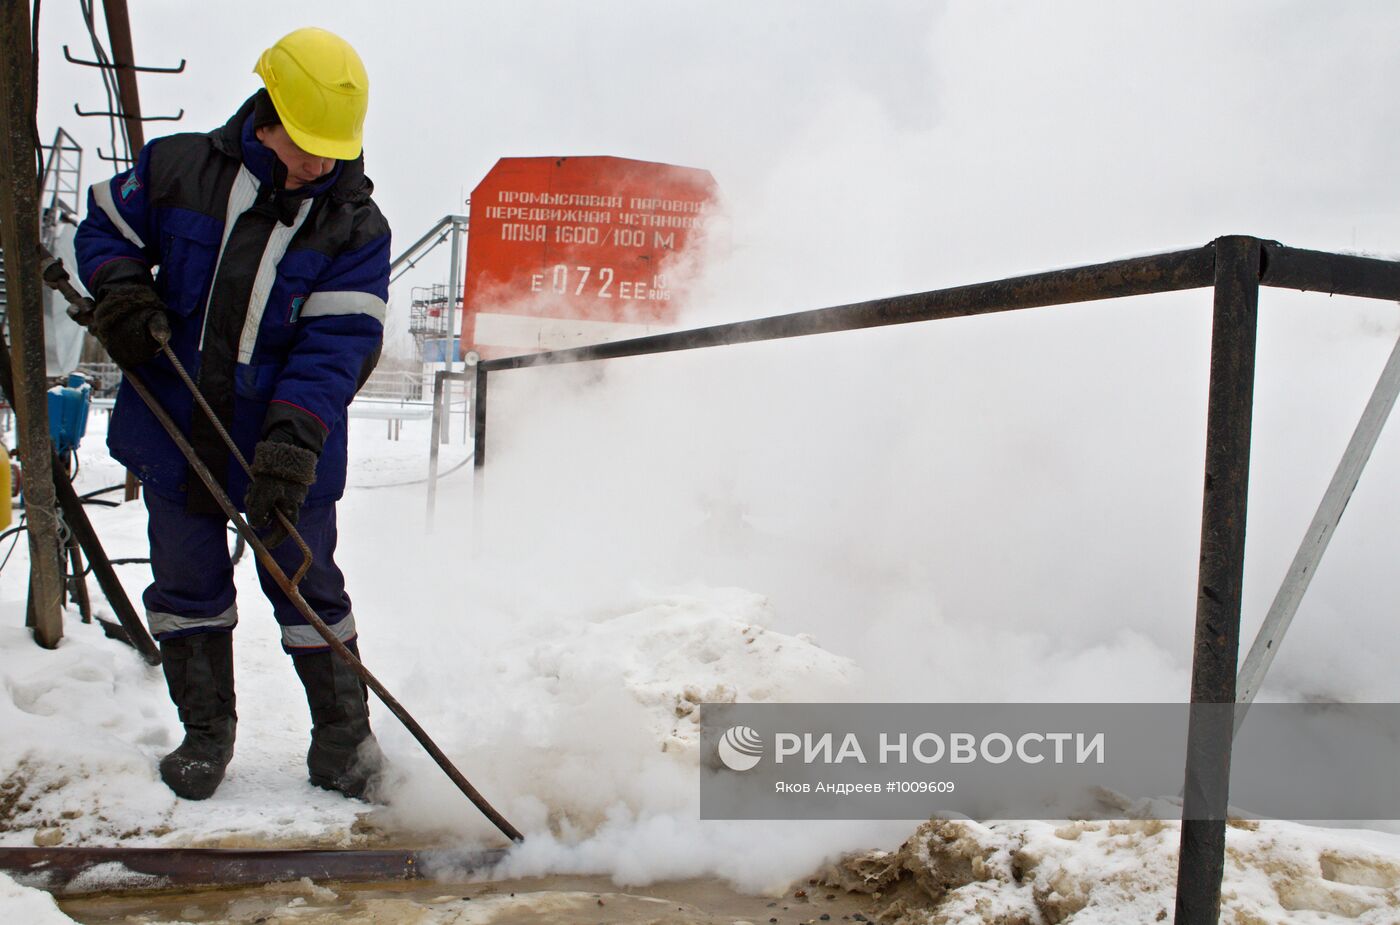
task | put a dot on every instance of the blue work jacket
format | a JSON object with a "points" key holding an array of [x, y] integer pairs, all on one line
{"points": [[276, 301]]}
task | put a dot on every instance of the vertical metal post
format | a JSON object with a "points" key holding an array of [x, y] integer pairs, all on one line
{"points": [[119, 36], [470, 361], [80, 589], [479, 430], [19, 228], [454, 289], [433, 445], [1201, 864], [470, 415], [124, 62], [479, 460], [443, 433]]}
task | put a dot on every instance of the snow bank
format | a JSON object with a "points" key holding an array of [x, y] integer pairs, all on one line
{"points": [[594, 748], [20, 904]]}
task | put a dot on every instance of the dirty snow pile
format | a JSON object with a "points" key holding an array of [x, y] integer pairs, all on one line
{"points": [[1114, 872]]}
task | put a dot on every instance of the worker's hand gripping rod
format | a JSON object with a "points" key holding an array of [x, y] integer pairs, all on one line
{"points": [[80, 309]]}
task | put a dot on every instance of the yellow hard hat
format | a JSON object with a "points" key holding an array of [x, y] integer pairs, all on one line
{"points": [[319, 86]]}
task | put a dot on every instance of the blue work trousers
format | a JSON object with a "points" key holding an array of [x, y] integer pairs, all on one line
{"points": [[193, 589]]}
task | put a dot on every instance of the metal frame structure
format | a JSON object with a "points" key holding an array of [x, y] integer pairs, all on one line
{"points": [[449, 226], [61, 195], [121, 69], [1234, 267]]}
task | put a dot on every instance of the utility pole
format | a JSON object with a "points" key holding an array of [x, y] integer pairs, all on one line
{"points": [[129, 102], [19, 230], [124, 60]]}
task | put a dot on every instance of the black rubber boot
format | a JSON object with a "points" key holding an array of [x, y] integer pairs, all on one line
{"points": [[199, 673], [344, 755]]}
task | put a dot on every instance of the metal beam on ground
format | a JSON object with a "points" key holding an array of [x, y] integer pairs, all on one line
{"points": [[58, 870], [19, 231]]}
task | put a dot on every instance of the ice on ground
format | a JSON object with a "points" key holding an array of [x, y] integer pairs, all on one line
{"points": [[111, 876]]}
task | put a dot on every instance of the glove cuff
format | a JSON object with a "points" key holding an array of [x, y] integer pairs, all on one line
{"points": [[285, 461], [136, 288]]}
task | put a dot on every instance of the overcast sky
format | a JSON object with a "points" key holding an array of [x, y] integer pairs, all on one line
{"points": [[866, 148]]}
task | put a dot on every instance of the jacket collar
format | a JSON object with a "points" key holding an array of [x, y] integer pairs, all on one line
{"points": [[347, 181]]}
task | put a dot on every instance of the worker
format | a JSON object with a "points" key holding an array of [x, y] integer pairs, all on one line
{"points": [[257, 250]]}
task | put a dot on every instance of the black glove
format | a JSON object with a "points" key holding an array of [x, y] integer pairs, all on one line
{"points": [[282, 472], [128, 320]]}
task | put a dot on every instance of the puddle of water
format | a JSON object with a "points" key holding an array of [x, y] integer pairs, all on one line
{"points": [[561, 900]]}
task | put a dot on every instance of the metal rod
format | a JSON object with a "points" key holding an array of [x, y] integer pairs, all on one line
{"points": [[283, 519], [1319, 534], [444, 431], [79, 579], [1337, 274], [112, 158], [479, 428], [124, 62], [433, 446], [413, 248], [76, 516], [107, 113], [140, 69], [1201, 863], [19, 231], [294, 595], [1137, 276]]}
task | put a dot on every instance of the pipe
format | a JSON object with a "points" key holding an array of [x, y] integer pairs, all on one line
{"points": [[54, 869], [1136, 276]]}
